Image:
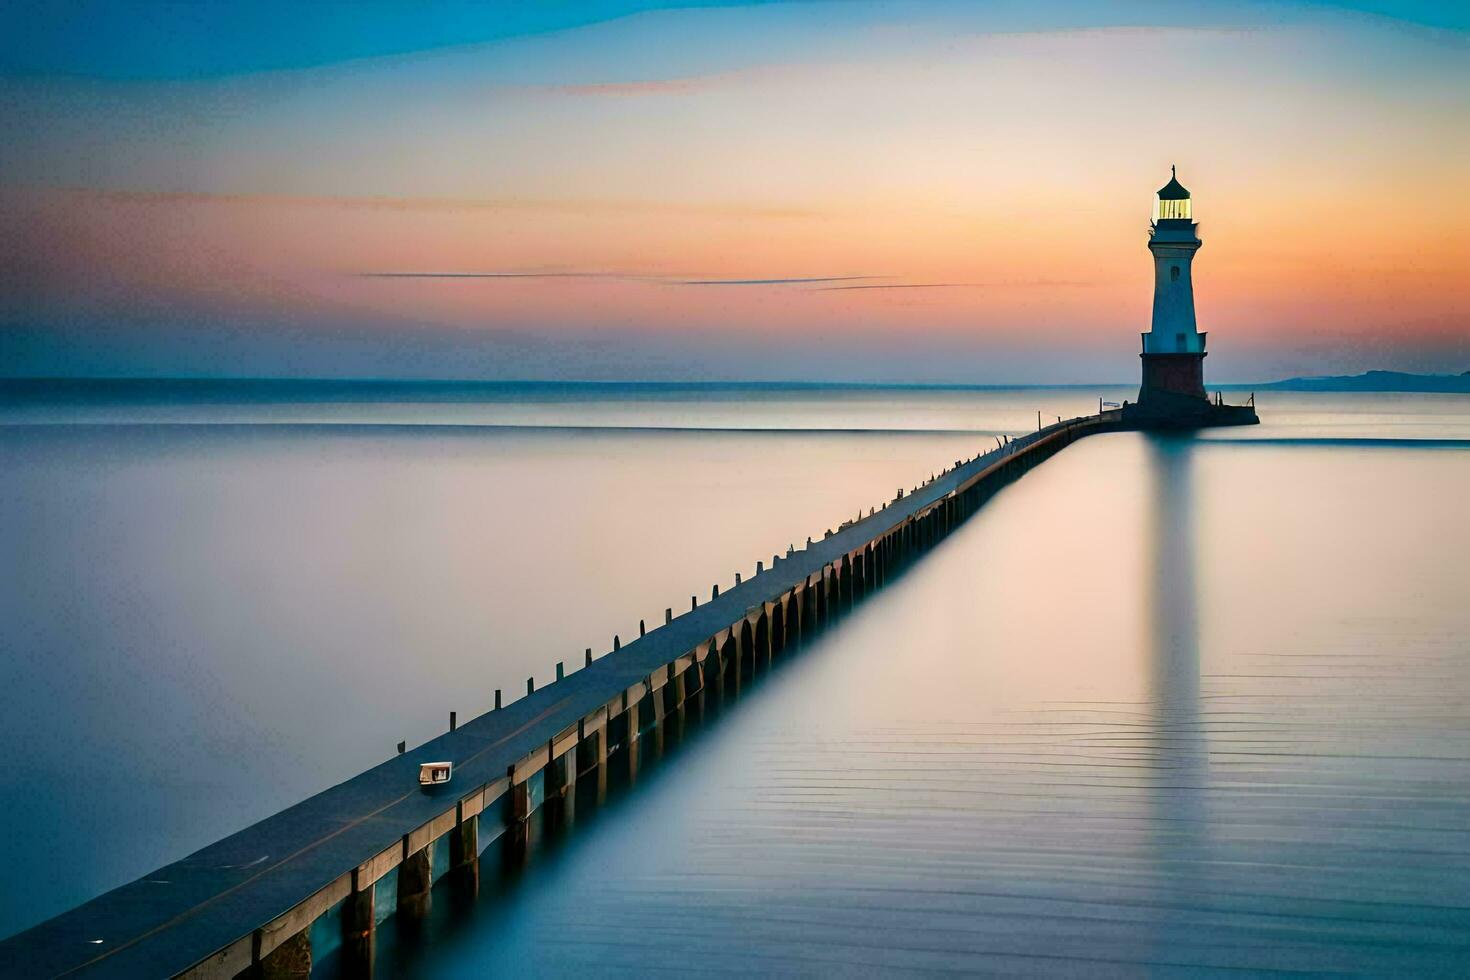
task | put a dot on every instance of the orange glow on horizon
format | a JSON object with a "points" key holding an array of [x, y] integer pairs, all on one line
{"points": [[957, 194]]}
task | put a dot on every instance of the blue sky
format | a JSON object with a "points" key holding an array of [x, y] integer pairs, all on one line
{"points": [[130, 40], [658, 191]]}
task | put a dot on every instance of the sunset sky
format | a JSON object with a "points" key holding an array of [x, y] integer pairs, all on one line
{"points": [[920, 192]]}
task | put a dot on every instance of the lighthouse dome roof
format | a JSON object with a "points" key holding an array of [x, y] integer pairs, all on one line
{"points": [[1173, 190]]}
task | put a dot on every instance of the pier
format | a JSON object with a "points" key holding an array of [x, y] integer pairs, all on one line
{"points": [[341, 862]]}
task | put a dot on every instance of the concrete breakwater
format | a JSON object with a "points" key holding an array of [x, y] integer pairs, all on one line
{"points": [[323, 875]]}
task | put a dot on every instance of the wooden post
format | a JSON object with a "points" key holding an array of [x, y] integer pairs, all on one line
{"points": [[560, 784], [714, 674], [793, 618], [731, 659], [358, 926], [415, 878], [679, 682], [762, 655], [515, 842], [803, 611], [747, 647], [289, 961], [464, 853], [631, 745], [594, 749]]}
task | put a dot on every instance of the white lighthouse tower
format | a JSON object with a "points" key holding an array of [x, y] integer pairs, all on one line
{"points": [[1174, 349]]}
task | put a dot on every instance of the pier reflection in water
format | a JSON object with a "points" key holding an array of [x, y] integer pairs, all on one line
{"points": [[1091, 733]]}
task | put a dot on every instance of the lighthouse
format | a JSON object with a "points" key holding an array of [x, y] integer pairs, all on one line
{"points": [[1173, 349]]}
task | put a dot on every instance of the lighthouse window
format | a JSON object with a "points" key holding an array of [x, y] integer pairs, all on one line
{"points": [[1174, 210], [1173, 273]]}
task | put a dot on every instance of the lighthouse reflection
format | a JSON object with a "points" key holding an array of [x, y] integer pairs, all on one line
{"points": [[1179, 752], [1172, 618]]}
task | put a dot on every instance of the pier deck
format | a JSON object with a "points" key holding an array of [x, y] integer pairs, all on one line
{"points": [[227, 907]]}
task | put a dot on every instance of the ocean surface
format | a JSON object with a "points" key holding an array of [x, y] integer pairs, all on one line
{"points": [[1165, 704]]}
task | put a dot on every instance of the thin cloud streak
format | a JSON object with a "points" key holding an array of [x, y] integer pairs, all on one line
{"points": [[627, 277], [500, 275], [432, 204], [952, 285], [776, 282], [652, 86]]}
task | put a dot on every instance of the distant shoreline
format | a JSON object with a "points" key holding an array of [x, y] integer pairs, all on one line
{"points": [[1381, 381]]}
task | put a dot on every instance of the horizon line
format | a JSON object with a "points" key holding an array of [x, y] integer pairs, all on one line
{"points": [[7, 380]]}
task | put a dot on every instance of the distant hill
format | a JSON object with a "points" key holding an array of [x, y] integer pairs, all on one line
{"points": [[1376, 381]]}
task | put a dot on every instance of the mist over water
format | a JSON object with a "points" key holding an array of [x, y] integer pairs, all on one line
{"points": [[1164, 703]]}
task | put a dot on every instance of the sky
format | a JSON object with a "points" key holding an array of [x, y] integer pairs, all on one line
{"points": [[830, 191]]}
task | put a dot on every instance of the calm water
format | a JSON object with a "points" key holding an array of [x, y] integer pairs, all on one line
{"points": [[1161, 704]]}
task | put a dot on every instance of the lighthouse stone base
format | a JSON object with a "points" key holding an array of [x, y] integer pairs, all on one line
{"points": [[1173, 397], [1175, 375]]}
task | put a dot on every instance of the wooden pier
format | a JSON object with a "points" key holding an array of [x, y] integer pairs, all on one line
{"points": [[377, 844]]}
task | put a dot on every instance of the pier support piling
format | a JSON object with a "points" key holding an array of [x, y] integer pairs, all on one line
{"points": [[747, 649], [358, 926], [516, 840], [592, 759], [415, 879], [289, 961], [464, 854], [632, 744], [560, 783]]}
